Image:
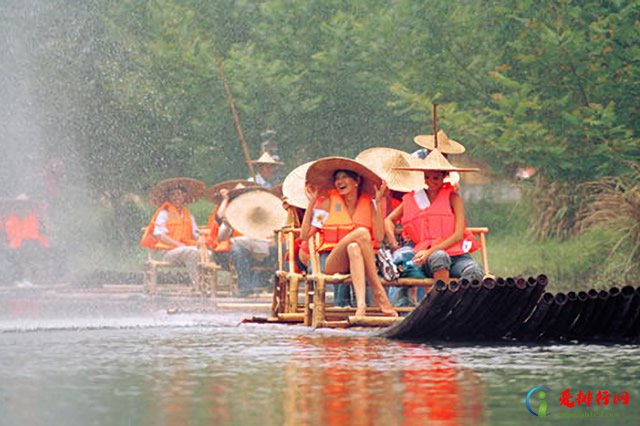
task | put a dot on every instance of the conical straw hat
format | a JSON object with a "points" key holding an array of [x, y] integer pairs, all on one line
{"points": [[445, 145], [256, 214], [436, 161], [213, 192], [293, 186], [320, 173], [266, 158], [384, 162], [159, 193]]}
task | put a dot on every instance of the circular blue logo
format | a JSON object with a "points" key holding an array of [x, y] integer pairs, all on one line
{"points": [[541, 394]]}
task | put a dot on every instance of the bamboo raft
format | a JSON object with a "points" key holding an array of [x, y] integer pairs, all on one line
{"points": [[508, 310], [502, 311]]}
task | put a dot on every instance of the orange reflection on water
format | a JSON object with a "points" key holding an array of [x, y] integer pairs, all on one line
{"points": [[363, 381]]}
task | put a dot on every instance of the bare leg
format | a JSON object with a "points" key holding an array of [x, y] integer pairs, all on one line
{"points": [[356, 268], [338, 261], [413, 294]]}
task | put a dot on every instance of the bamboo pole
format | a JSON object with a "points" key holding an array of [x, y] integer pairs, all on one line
{"points": [[435, 126], [236, 118], [373, 321]]}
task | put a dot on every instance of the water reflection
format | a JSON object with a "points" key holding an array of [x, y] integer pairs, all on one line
{"points": [[364, 381]]}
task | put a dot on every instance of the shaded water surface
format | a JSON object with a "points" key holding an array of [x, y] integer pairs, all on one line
{"points": [[89, 359]]}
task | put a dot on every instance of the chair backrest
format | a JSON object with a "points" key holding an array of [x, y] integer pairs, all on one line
{"points": [[481, 233]]}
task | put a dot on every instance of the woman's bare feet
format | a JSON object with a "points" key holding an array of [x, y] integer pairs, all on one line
{"points": [[361, 311], [386, 308]]}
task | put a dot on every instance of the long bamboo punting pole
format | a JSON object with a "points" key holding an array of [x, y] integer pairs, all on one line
{"points": [[236, 118], [435, 125]]}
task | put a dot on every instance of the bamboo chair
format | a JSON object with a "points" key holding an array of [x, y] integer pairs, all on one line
{"points": [[287, 281], [318, 314], [207, 268]]}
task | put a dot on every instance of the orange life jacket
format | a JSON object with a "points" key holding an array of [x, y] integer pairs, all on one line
{"points": [[179, 227], [427, 227], [212, 240], [24, 229], [338, 224]]}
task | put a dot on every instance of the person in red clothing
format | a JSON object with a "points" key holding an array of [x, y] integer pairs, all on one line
{"points": [[26, 245], [434, 220], [349, 220]]}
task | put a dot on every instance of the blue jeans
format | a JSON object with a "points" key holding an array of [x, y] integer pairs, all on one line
{"points": [[462, 266], [243, 260]]}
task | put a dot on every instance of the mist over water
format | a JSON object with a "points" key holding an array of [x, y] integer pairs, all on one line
{"points": [[21, 108], [51, 124]]}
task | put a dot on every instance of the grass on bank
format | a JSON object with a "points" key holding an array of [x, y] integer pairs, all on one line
{"points": [[581, 262]]}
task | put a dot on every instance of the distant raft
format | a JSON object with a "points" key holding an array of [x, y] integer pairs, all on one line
{"points": [[519, 310]]}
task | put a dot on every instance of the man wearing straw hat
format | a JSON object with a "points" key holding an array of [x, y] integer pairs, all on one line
{"points": [[173, 229], [434, 220], [266, 176]]}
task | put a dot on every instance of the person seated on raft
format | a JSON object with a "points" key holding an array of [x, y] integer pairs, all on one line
{"points": [[350, 223], [173, 228], [433, 218], [246, 252]]}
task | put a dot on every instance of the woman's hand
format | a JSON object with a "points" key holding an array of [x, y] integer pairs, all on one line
{"points": [[381, 192], [312, 193], [285, 203], [421, 257]]}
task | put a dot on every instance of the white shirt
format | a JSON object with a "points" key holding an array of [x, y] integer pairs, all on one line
{"points": [[160, 225]]}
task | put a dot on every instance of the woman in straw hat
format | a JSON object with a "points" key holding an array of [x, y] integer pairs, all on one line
{"points": [[173, 228], [349, 221], [434, 220]]}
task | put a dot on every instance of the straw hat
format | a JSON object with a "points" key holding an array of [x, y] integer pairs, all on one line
{"points": [[159, 193], [445, 145], [436, 161], [239, 190], [320, 173], [384, 162], [213, 192], [266, 158], [293, 186], [256, 214]]}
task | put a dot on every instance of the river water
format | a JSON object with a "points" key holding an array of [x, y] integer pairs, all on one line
{"points": [[127, 359]]}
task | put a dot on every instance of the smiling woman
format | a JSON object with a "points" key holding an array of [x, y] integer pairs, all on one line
{"points": [[345, 208]]}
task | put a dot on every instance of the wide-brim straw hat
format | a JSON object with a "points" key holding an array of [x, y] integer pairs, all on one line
{"points": [[266, 158], [445, 145], [194, 187], [435, 161], [256, 214], [213, 192], [293, 186], [320, 173], [384, 161]]}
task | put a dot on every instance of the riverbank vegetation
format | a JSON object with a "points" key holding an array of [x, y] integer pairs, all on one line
{"points": [[133, 94]]}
